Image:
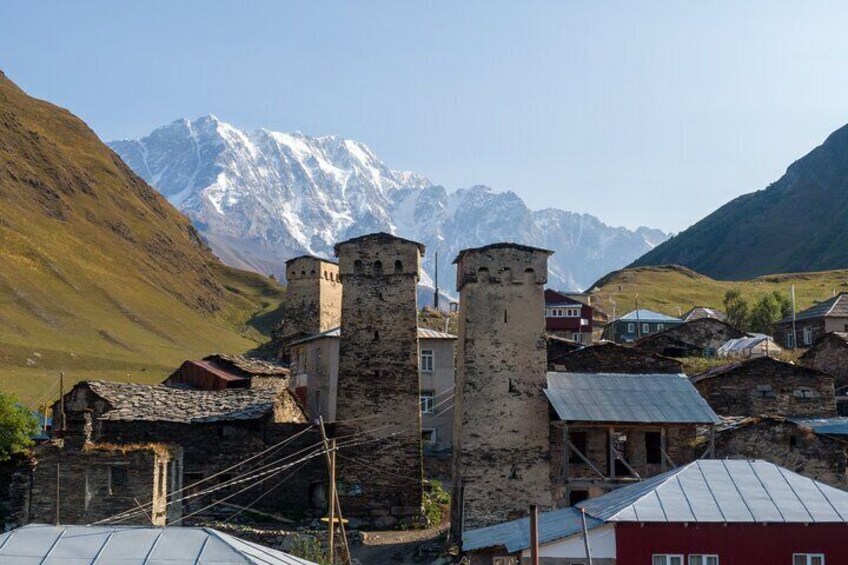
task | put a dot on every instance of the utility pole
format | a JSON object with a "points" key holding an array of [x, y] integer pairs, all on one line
{"points": [[332, 501], [638, 325], [436, 293], [57, 493], [338, 507], [534, 534], [586, 536], [794, 335], [62, 398]]}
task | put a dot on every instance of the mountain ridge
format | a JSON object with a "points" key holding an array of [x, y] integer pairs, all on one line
{"points": [[261, 197]]}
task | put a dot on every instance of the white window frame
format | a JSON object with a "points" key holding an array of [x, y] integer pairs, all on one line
{"points": [[631, 328], [428, 401], [808, 335], [427, 360], [432, 440], [790, 339], [808, 557], [660, 327], [705, 559], [667, 558], [646, 328]]}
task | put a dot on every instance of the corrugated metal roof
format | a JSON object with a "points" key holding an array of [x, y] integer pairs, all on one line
{"points": [[723, 491], [837, 426], [423, 333], [740, 345], [644, 315], [616, 397], [515, 534], [123, 545]]}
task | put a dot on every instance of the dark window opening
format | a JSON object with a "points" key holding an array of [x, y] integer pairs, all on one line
{"points": [[577, 496], [621, 469], [378, 267], [512, 388], [793, 441], [579, 441], [506, 317], [653, 448], [398, 266], [117, 479], [357, 267], [376, 336]]}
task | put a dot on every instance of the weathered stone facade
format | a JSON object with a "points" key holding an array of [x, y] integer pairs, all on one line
{"points": [[767, 387], [806, 332], [501, 425], [830, 355], [612, 358], [558, 347], [789, 445], [313, 302], [378, 386], [700, 337]]}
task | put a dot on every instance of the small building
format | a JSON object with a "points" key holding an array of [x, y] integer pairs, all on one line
{"points": [[829, 354], [830, 315], [700, 337], [614, 429], [558, 347], [755, 345], [612, 358], [767, 387], [568, 317], [700, 312], [123, 545], [708, 512], [815, 448], [220, 372], [637, 324]]}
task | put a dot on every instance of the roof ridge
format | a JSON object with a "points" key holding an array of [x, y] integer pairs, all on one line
{"points": [[671, 475]]}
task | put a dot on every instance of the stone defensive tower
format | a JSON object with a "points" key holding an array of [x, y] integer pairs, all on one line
{"points": [[378, 392], [501, 451], [313, 301]]}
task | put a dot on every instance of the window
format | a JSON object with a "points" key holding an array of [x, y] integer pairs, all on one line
{"points": [[653, 448], [808, 559], [578, 439], [790, 340], [808, 335], [427, 360], [660, 327], [117, 479], [631, 328], [428, 398], [764, 391], [573, 312], [696, 559], [428, 436], [504, 561], [804, 392], [663, 559], [577, 496], [646, 329]]}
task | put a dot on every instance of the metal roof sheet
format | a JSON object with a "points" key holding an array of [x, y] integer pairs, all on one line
{"points": [[515, 534], [723, 491], [837, 426], [742, 344], [628, 398], [836, 307], [125, 545], [644, 315]]}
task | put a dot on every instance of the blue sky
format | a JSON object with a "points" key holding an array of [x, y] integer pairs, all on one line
{"points": [[642, 113]]}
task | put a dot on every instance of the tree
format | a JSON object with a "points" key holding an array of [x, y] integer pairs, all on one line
{"points": [[736, 309], [768, 309], [17, 426]]}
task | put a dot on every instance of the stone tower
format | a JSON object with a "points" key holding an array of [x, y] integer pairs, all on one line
{"points": [[378, 391], [313, 301], [501, 451]]}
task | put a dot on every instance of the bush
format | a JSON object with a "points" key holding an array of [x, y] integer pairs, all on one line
{"points": [[17, 426], [309, 548], [436, 502]]}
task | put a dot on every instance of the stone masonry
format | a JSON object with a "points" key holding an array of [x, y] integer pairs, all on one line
{"points": [[698, 338], [378, 386], [501, 426], [830, 355], [614, 358]]}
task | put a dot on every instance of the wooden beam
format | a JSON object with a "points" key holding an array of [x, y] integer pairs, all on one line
{"points": [[663, 457], [611, 457], [585, 459]]}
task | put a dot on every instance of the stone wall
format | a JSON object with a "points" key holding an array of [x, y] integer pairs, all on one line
{"points": [[378, 386], [698, 338], [829, 355], [501, 449], [816, 328], [612, 358], [765, 386], [788, 445]]}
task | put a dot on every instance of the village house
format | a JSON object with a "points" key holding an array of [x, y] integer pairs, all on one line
{"points": [[610, 430], [830, 315], [219, 372], [708, 512], [700, 337], [700, 312], [568, 317], [613, 358], [559, 347], [755, 345], [637, 324], [767, 387], [816, 448]]}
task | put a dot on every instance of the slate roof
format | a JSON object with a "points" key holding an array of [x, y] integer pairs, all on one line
{"points": [[423, 333], [836, 307], [122, 545], [248, 364], [645, 315], [515, 534], [723, 491], [699, 312], [627, 398], [160, 403]]}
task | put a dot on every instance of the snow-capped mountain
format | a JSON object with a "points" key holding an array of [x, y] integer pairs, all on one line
{"points": [[263, 197]]}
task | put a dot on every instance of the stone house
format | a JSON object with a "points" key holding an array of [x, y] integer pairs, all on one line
{"points": [[610, 430], [637, 324], [767, 387], [830, 315], [701, 337], [220, 371], [558, 347], [802, 446], [829, 354], [613, 358], [699, 312]]}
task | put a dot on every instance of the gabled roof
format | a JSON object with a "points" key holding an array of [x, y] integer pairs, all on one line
{"points": [[723, 491], [557, 298], [423, 333], [740, 345], [836, 307], [515, 534], [645, 315], [122, 545], [699, 312], [724, 370], [627, 398], [839, 338], [160, 403]]}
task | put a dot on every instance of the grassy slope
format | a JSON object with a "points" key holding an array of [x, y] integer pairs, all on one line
{"points": [[667, 288], [99, 276]]}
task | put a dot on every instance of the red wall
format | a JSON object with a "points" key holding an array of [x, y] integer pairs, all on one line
{"points": [[735, 544]]}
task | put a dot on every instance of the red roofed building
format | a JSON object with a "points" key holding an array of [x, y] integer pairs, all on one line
{"points": [[568, 317]]}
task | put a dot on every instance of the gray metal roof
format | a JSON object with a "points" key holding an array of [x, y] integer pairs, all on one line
{"points": [[616, 397], [645, 315], [127, 545], [515, 534], [837, 426], [724, 491]]}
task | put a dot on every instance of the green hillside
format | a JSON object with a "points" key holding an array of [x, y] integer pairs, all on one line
{"points": [[99, 275], [673, 289]]}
